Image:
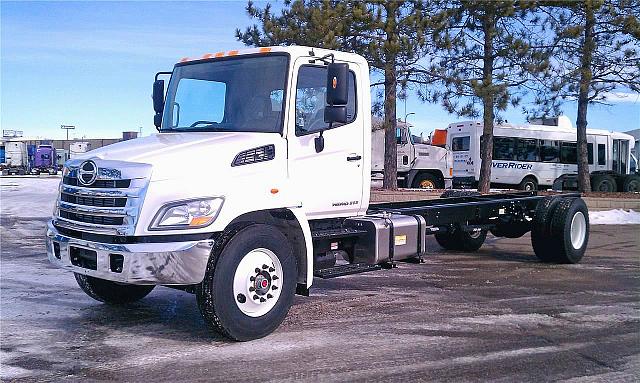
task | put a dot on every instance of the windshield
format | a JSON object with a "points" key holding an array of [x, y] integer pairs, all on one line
{"points": [[243, 94]]}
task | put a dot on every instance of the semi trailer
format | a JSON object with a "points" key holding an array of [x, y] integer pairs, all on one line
{"points": [[285, 133], [16, 158]]}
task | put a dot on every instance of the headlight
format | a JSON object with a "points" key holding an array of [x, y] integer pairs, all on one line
{"points": [[189, 214]]}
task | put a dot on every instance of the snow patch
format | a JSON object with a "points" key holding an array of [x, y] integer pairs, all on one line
{"points": [[614, 217]]}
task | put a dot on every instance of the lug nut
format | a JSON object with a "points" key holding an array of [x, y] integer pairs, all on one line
{"points": [[255, 297], [271, 269], [265, 267], [252, 279], [252, 288], [274, 277], [269, 296], [241, 298], [274, 287], [257, 270], [262, 300]]}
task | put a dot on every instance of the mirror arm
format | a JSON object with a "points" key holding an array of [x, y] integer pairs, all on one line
{"points": [[162, 73]]}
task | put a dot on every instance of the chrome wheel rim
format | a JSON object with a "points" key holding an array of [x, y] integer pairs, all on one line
{"points": [[578, 230], [257, 282]]}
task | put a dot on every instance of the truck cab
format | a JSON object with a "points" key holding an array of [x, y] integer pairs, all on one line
{"points": [[419, 165]]}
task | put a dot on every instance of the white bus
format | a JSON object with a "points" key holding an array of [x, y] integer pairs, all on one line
{"points": [[537, 155]]}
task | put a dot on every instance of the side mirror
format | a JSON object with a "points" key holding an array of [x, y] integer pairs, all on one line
{"points": [[158, 96], [337, 84], [335, 114]]}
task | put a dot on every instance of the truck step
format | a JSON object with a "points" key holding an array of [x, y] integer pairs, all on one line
{"points": [[336, 233], [342, 270]]}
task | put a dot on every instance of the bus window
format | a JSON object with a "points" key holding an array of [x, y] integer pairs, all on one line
{"points": [[590, 153], [616, 155], [549, 150], [527, 149], [568, 152], [504, 148], [602, 157], [460, 144]]}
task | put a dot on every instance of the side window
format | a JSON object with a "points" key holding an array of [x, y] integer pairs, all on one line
{"points": [[602, 155], [527, 150], [549, 150], [504, 148], [311, 93], [569, 152], [590, 153], [199, 101], [460, 144]]}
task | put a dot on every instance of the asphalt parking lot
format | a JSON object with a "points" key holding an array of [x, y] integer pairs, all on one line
{"points": [[494, 315]]}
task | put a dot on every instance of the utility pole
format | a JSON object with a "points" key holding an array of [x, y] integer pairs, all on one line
{"points": [[67, 128]]}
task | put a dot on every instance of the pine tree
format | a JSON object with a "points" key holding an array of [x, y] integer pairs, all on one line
{"points": [[596, 53], [389, 34], [487, 53]]}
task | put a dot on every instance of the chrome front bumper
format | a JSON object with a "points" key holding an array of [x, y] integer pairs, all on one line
{"points": [[166, 263]]}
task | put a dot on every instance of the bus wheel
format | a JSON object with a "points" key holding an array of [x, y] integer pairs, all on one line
{"points": [[631, 184], [528, 184], [603, 183], [427, 181]]}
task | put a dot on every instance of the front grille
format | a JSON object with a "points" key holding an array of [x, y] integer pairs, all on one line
{"points": [[98, 184], [93, 219], [91, 201]]}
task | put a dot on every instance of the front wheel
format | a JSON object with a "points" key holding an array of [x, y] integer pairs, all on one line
{"points": [[427, 181], [249, 284], [111, 292]]}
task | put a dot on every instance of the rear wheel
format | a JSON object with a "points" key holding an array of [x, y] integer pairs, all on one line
{"points": [[427, 181], [111, 292], [541, 229], [603, 183], [570, 231], [528, 184], [249, 285], [631, 184], [458, 239]]}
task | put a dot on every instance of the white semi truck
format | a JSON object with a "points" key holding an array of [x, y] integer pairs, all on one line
{"points": [[284, 196], [16, 158], [420, 166]]}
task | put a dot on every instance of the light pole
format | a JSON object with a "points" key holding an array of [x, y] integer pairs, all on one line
{"points": [[407, 115], [67, 128]]}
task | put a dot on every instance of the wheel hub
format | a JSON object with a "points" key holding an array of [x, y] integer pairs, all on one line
{"points": [[258, 277]]}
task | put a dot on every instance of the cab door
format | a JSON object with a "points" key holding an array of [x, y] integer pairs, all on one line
{"points": [[404, 150], [328, 181]]}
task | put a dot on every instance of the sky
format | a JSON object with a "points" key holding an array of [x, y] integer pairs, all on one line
{"points": [[91, 64]]}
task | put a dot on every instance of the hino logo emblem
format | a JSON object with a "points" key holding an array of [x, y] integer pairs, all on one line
{"points": [[87, 173]]}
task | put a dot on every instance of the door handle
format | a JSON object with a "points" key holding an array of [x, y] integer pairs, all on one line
{"points": [[354, 158]]}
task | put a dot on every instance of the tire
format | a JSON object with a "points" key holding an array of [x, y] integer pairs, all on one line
{"points": [[631, 184], [541, 228], [603, 183], [461, 240], [427, 181], [111, 292], [528, 184], [570, 231], [228, 276]]}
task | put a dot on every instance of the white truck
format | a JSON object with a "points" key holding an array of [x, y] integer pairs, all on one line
{"points": [[284, 196], [543, 154], [420, 166], [16, 158]]}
